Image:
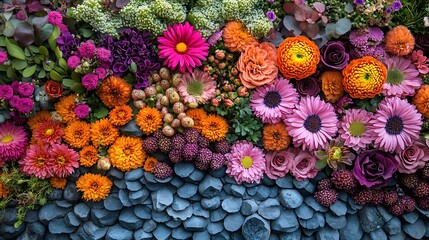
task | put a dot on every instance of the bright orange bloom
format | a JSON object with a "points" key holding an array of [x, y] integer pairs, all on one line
{"points": [[65, 108], [39, 118], [120, 115], [88, 156], [59, 183], [149, 164], [149, 120], [127, 153], [114, 92], [215, 127], [4, 191], [421, 100], [399, 41], [95, 187], [198, 115], [77, 134], [236, 36], [276, 137], [332, 85], [103, 133]]}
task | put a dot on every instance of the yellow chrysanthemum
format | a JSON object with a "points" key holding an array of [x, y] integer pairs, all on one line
{"points": [[198, 115], [39, 118], [149, 164], [149, 120], [88, 156], [120, 115], [127, 153], [76, 134], [103, 133], [59, 183], [65, 108], [215, 127], [95, 187]]}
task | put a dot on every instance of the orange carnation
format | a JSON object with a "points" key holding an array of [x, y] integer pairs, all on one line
{"points": [[399, 41], [59, 183], [65, 108], [114, 92], [88, 156], [198, 115], [76, 134], [332, 85], [95, 187], [276, 137], [120, 115], [127, 153], [103, 133], [421, 100], [149, 120], [236, 36]]}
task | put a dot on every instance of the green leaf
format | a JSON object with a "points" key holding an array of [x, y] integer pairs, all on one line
{"points": [[86, 32], [68, 82], [15, 50], [11, 73], [9, 29], [52, 40], [19, 64], [101, 112], [321, 164], [63, 64], [58, 53], [28, 72], [42, 74], [78, 88], [43, 50], [55, 76], [2, 41], [48, 66]]}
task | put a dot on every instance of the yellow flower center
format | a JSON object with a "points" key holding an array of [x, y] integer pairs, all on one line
{"points": [[49, 131], [181, 47], [246, 162], [6, 139], [336, 153], [61, 160], [40, 161]]}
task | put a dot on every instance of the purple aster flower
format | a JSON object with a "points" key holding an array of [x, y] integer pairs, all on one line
{"points": [[271, 16], [90, 81], [25, 89], [82, 111], [67, 44], [270, 1], [358, 2], [389, 10], [396, 5], [6, 92]]}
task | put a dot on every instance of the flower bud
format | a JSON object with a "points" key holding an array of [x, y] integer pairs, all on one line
{"points": [[104, 163], [176, 79], [232, 95], [229, 103], [169, 91], [138, 94], [150, 91], [234, 71], [168, 131], [168, 117], [221, 65], [139, 104], [164, 73], [159, 89], [178, 108], [215, 102], [175, 123], [220, 54], [229, 56], [164, 101], [155, 76], [187, 122], [164, 111], [242, 91], [211, 58], [174, 97], [193, 105], [228, 88], [181, 115], [164, 84]]}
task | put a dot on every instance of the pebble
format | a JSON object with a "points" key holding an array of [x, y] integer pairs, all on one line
{"points": [[378, 234], [233, 222], [370, 219], [195, 223], [112, 202], [149, 226], [249, 207], [180, 215], [410, 217], [115, 173], [232, 204], [416, 230], [131, 129], [49, 211], [287, 222], [210, 203], [142, 235], [162, 232], [334, 221], [290, 198], [304, 212], [129, 220], [214, 228], [183, 170], [285, 182], [238, 190], [327, 233], [124, 198], [116, 232], [187, 190], [352, 230], [58, 226], [317, 221], [162, 198], [210, 186], [339, 208], [181, 234], [71, 194], [134, 174], [256, 228], [197, 175], [134, 185], [72, 220], [179, 204], [296, 235], [199, 211], [94, 232], [138, 197], [269, 209]]}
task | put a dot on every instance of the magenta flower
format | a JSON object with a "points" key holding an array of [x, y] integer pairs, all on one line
{"points": [[103, 54], [90, 81], [87, 49], [55, 18], [101, 72], [64, 160], [3, 57], [82, 111], [73, 62], [37, 162], [6, 92], [13, 140], [24, 105], [353, 129], [26, 89]]}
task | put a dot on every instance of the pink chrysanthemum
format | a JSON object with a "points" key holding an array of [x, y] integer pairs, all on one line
{"points": [[246, 163], [82, 111], [64, 160], [49, 132], [313, 124], [87, 49], [402, 78], [24, 105], [182, 47], [25, 89], [13, 140], [55, 18], [90, 81], [395, 125], [103, 54], [73, 62], [6, 92], [37, 162], [197, 87], [353, 129], [272, 102]]}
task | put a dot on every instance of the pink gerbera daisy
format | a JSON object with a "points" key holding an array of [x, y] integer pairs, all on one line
{"points": [[49, 132], [37, 162], [272, 102], [402, 78], [246, 163], [395, 125], [182, 47], [13, 140], [353, 129], [197, 87], [64, 160], [313, 124]]}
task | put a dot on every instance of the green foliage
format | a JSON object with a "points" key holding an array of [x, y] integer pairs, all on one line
{"points": [[370, 104], [411, 15]]}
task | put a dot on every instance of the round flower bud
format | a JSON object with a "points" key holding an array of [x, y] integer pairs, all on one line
{"points": [[138, 94], [175, 123], [187, 122], [181, 115], [168, 131], [139, 104], [104, 163], [169, 91], [164, 111], [164, 101], [156, 77], [165, 84], [168, 118], [178, 108], [164, 73], [150, 91], [176, 79], [174, 97]]}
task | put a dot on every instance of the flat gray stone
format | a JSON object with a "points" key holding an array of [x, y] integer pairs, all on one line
{"points": [[290, 198], [410, 217], [210, 203], [393, 226], [327, 233], [210, 186], [416, 230], [304, 212], [180, 204], [217, 215], [195, 223], [269, 209], [129, 220], [181, 234], [378, 234], [334, 221], [103, 217], [339, 208], [256, 228], [82, 211], [142, 212], [238, 190], [134, 185], [134, 174], [94, 231], [199, 211], [352, 230], [180, 215], [162, 198], [232, 204], [187, 190], [296, 235], [317, 221], [370, 219], [149, 226], [233, 222], [183, 170], [215, 228], [138, 197], [116, 232], [249, 207], [58, 226], [285, 182], [112, 202], [162, 232], [142, 235], [50, 211], [287, 222], [72, 220]]}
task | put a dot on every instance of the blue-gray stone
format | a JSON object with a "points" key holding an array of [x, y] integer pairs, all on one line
{"points": [[290, 198], [33, 231], [124, 198], [296, 235], [352, 230], [317, 221], [353, 205], [195, 198], [310, 232], [233, 222], [238, 190], [222, 195], [399, 236], [10, 232], [52, 236], [179, 204], [416, 230], [177, 182], [8, 215], [232, 204], [262, 193], [310, 188], [150, 178], [199, 211], [386, 215], [58, 226], [71, 194], [129, 220], [183, 170], [210, 186], [149, 226], [142, 235], [249, 207], [131, 129], [410, 217], [165, 180], [97, 205], [134, 174], [285, 182], [231, 180], [252, 190], [161, 232], [162, 198], [224, 235], [31, 216], [134, 185], [180, 215], [50, 211], [304, 212], [72, 220], [300, 184], [138, 197], [116, 232], [334, 221], [269, 209], [267, 181], [220, 173], [56, 194], [112, 202], [327, 233], [187, 190], [393, 226], [286, 222], [217, 215], [103, 217], [370, 218], [197, 175], [120, 183], [227, 188], [256, 228], [63, 204], [74, 176], [181, 234], [172, 223], [210, 203], [339, 208], [201, 235], [378, 234], [214, 228], [153, 186], [93, 231], [195, 223]]}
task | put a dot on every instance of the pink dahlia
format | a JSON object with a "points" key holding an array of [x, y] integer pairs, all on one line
{"points": [[353, 129], [6, 92], [395, 125], [24, 105], [278, 163], [246, 163], [37, 162], [402, 78], [182, 47], [13, 140], [82, 111], [73, 62], [197, 87], [55, 18], [26, 89], [64, 160], [272, 102], [87, 49], [313, 124], [49, 132]]}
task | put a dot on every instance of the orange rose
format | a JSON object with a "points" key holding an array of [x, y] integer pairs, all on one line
{"points": [[53, 89]]}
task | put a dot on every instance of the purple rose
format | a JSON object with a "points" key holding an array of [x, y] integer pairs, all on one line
{"points": [[334, 55], [373, 168], [278, 163], [422, 42], [308, 86], [412, 158]]}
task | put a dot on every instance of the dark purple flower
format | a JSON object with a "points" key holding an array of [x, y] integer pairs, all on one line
{"points": [[374, 168], [389, 10], [308, 86], [334, 55], [271, 16], [358, 2], [422, 43], [396, 5], [67, 44]]}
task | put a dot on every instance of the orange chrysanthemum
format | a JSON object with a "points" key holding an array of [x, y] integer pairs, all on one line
{"points": [[88, 156], [149, 164], [95, 187], [236, 36], [399, 41], [297, 57], [39, 118], [421, 100], [76, 134], [4, 191], [149, 120], [332, 85], [59, 183], [103, 133], [114, 91], [364, 77], [198, 115], [127, 153], [215, 127], [276, 137], [65, 108], [120, 115]]}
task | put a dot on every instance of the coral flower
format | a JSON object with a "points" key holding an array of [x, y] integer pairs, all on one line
{"points": [[77, 134], [236, 36], [273, 102], [332, 85], [312, 124], [297, 57], [197, 87], [114, 91], [127, 153], [13, 140], [88, 156], [37, 162], [65, 108], [399, 41], [276, 137], [353, 129], [49, 132], [364, 77], [103, 133], [215, 127], [64, 160], [182, 47], [257, 65], [39, 118], [198, 115], [149, 120], [395, 125], [149, 164], [58, 183], [120, 115], [94, 186], [421, 100]]}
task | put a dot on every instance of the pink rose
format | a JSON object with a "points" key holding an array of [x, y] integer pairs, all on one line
{"points": [[278, 163], [304, 165], [412, 158]]}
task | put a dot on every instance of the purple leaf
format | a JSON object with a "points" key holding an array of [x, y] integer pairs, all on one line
{"points": [[24, 34], [312, 30], [289, 7], [320, 7]]}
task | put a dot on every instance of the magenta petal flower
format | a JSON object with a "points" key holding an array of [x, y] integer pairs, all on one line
{"points": [[37, 162], [353, 129], [13, 140]]}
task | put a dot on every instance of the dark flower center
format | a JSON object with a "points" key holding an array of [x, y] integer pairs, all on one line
{"points": [[272, 99], [313, 123], [394, 125]]}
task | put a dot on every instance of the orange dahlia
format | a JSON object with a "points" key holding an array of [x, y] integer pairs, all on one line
{"points": [[364, 77], [149, 120], [127, 153], [59, 183], [421, 100], [39, 118], [276, 137], [65, 108], [114, 91], [236, 36], [120, 115], [198, 115], [149, 164], [399, 41], [76, 134], [95, 187], [215, 127], [88, 156], [103, 133], [332, 85], [297, 57]]}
